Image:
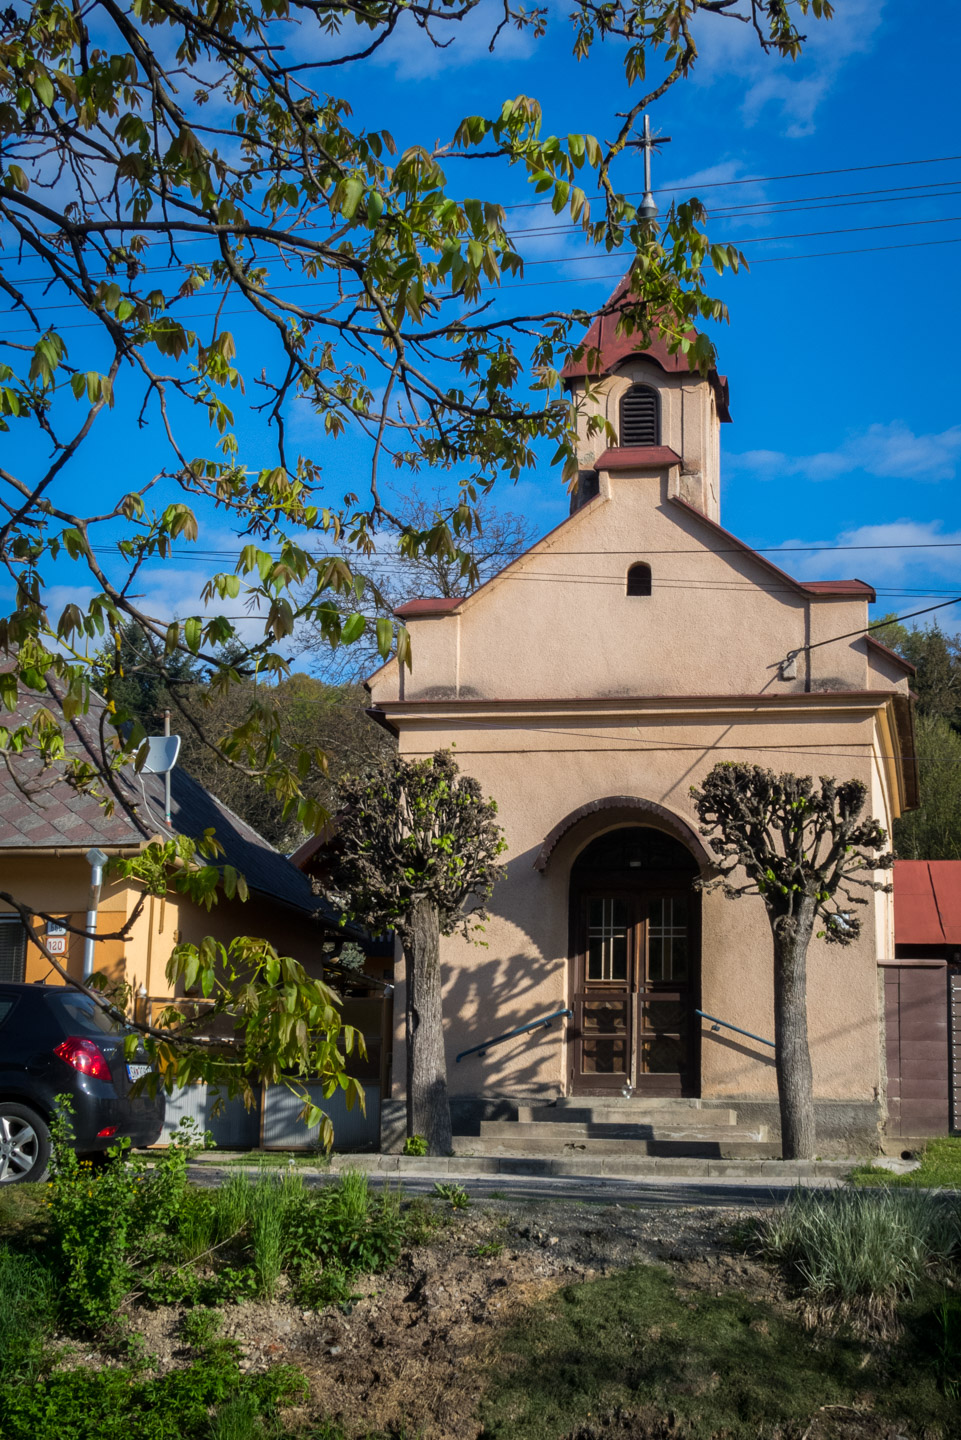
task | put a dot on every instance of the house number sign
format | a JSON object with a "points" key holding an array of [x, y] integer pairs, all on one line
{"points": [[56, 938]]}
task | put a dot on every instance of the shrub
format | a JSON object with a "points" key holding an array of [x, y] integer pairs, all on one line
{"points": [[339, 1231], [862, 1251], [415, 1145], [91, 1214]]}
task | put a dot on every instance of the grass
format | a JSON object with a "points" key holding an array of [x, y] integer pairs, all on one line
{"points": [[721, 1364], [862, 1251], [27, 1313], [940, 1169]]}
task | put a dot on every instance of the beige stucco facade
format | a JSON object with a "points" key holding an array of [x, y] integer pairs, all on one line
{"points": [[561, 692]]}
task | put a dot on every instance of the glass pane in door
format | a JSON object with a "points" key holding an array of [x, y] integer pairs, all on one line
{"points": [[667, 939], [607, 941]]}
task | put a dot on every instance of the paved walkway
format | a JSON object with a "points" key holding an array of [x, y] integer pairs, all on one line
{"points": [[650, 1194]]}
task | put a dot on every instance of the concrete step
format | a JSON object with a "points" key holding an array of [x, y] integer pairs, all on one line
{"points": [[654, 1169], [631, 1102], [634, 1112], [716, 1147], [562, 1134]]}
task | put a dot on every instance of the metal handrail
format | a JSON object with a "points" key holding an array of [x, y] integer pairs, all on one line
{"points": [[543, 1023], [716, 1025]]}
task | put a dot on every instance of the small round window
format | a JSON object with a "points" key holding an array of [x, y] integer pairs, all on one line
{"points": [[639, 579]]}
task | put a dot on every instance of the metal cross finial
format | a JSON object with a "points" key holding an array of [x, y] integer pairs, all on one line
{"points": [[647, 210]]}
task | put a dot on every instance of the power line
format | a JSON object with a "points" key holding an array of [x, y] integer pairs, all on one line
{"points": [[301, 286], [756, 208], [214, 554], [878, 625], [767, 179], [773, 207]]}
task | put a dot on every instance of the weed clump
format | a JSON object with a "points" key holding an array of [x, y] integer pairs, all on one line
{"points": [[858, 1254]]}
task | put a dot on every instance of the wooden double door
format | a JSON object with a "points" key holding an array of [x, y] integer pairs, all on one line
{"points": [[635, 958]]}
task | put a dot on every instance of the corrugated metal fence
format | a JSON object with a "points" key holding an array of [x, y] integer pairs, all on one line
{"points": [[273, 1123]]}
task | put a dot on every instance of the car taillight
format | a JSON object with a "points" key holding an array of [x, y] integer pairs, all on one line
{"points": [[84, 1056], [106, 1132]]}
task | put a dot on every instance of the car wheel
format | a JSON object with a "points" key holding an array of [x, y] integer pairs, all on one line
{"points": [[24, 1144]]}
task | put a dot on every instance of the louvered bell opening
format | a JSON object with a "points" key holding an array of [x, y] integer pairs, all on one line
{"points": [[639, 417]]}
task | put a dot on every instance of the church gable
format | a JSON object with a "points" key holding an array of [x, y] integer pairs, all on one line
{"points": [[636, 594], [640, 592]]}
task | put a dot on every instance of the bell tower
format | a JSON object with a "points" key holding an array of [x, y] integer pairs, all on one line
{"points": [[665, 416]]}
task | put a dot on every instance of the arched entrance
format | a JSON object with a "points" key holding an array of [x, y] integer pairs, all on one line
{"points": [[635, 958]]}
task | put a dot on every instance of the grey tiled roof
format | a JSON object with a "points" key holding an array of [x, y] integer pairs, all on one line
{"points": [[40, 809]]}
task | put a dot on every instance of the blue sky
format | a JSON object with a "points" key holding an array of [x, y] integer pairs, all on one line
{"points": [[843, 367]]}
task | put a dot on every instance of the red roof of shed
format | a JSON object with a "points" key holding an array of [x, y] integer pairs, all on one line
{"points": [[927, 902]]}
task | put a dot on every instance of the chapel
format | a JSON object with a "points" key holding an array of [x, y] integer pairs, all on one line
{"points": [[588, 686]]}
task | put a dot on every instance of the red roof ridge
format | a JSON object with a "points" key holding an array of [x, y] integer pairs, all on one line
{"points": [[430, 605], [630, 457], [892, 654], [803, 587]]}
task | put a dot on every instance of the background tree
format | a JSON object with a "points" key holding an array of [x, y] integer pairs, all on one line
{"points": [[494, 539], [416, 852], [806, 850], [932, 832]]}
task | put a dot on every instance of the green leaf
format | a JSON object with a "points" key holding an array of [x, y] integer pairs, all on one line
{"points": [[385, 636], [193, 628], [353, 191], [353, 628]]}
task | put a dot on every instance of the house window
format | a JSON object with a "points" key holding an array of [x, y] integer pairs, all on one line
{"points": [[639, 579], [640, 418], [13, 949]]}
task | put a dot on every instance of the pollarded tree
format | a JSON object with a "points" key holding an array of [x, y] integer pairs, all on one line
{"points": [[809, 853], [416, 852]]}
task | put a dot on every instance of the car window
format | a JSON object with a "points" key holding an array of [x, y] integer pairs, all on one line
{"points": [[81, 1013], [5, 1007]]}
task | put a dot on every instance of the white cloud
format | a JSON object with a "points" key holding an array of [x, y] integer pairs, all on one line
{"points": [[794, 90], [891, 450], [412, 55], [906, 552]]}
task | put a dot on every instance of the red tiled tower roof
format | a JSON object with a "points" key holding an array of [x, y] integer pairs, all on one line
{"points": [[615, 348]]}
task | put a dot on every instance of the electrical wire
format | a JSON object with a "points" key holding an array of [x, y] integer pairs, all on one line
{"points": [[301, 286], [765, 179], [534, 284], [214, 554], [878, 625], [754, 210]]}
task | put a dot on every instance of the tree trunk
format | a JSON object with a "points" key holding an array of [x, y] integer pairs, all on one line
{"points": [[795, 1083], [428, 1108]]}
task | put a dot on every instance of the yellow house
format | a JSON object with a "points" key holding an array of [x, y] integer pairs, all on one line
{"points": [[55, 842], [588, 686], [54, 845]]}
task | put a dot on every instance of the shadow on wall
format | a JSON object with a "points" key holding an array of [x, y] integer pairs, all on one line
{"points": [[499, 992]]}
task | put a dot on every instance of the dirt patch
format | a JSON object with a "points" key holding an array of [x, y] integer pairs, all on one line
{"points": [[413, 1349]]}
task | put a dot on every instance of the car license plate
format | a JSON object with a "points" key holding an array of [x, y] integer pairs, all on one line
{"points": [[137, 1072]]}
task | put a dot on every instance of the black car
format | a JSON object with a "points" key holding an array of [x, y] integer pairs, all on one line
{"points": [[58, 1041]]}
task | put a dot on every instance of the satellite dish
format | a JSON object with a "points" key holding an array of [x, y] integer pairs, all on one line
{"points": [[162, 752]]}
